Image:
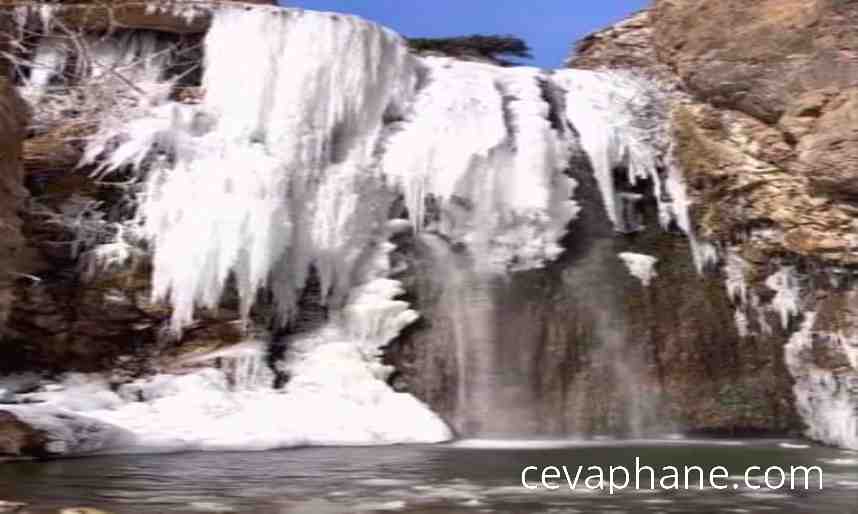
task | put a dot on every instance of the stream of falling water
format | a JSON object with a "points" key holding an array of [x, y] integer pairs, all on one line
{"points": [[468, 303]]}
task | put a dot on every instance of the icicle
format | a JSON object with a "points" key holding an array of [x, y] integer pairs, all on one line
{"points": [[735, 270], [244, 365], [271, 173], [606, 110], [787, 298]]}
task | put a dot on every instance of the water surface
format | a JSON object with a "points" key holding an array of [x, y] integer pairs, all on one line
{"points": [[466, 477]]}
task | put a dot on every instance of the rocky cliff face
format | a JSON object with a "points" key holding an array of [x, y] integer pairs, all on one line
{"points": [[595, 351], [13, 120], [764, 117]]}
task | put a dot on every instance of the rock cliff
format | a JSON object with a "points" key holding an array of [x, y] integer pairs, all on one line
{"points": [[13, 120], [764, 119]]}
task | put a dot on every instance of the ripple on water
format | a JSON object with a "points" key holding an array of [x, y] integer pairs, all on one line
{"points": [[840, 462], [657, 501], [211, 507], [765, 495], [385, 482], [793, 446], [382, 507]]}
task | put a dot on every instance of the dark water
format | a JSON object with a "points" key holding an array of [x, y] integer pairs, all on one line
{"points": [[422, 479]]}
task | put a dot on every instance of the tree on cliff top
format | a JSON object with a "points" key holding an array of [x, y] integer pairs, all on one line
{"points": [[494, 48]]}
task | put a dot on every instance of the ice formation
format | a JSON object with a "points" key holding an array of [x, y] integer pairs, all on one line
{"points": [[605, 108], [272, 173], [787, 294], [826, 399], [786, 303], [735, 271], [641, 266], [338, 393], [480, 142], [283, 170], [622, 123]]}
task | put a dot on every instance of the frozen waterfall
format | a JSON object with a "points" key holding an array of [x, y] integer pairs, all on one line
{"points": [[309, 145]]}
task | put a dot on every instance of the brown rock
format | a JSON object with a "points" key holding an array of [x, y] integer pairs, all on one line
{"points": [[758, 57], [18, 439], [764, 119], [829, 153], [625, 45], [13, 118]]}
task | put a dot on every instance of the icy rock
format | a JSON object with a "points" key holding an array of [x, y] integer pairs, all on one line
{"points": [[11, 507], [45, 431], [826, 400]]}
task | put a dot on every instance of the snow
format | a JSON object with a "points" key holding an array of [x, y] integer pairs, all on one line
{"points": [[641, 266]]}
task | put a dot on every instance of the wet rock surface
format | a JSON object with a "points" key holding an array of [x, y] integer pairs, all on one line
{"points": [[13, 261]]}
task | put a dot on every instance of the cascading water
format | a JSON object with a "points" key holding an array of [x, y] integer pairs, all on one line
{"points": [[306, 136], [467, 301]]}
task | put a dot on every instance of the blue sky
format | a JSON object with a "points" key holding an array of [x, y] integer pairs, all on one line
{"points": [[549, 26]]}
